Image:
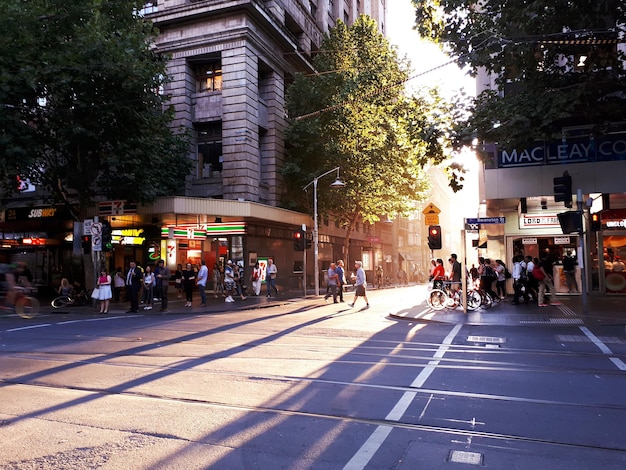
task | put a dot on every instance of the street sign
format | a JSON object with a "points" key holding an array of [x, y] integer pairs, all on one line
{"points": [[486, 220], [431, 219], [431, 209], [87, 226], [96, 236]]}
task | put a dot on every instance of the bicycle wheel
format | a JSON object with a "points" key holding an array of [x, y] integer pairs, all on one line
{"points": [[437, 299], [486, 300], [60, 301], [473, 300], [27, 307]]}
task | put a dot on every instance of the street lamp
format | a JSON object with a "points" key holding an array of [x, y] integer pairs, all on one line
{"points": [[336, 184]]}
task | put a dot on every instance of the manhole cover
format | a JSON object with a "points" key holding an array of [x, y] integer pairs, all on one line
{"points": [[462, 456]]}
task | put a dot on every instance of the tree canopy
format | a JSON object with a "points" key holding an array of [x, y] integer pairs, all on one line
{"points": [[81, 109], [556, 61], [353, 114]]}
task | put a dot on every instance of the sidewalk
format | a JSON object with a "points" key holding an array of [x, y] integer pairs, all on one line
{"points": [[568, 310]]}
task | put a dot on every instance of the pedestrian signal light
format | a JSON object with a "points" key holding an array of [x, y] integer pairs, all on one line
{"points": [[563, 189], [86, 242], [596, 222], [434, 237], [298, 240], [307, 243]]}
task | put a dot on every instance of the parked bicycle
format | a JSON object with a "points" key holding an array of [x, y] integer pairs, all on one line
{"points": [[70, 300], [443, 296]]}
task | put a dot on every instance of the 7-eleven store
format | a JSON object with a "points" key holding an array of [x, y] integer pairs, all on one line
{"points": [[183, 230]]}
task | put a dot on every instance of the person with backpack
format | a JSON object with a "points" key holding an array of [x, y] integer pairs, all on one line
{"points": [[520, 280], [487, 278]]}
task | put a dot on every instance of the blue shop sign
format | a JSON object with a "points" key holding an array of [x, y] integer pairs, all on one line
{"points": [[574, 150]]}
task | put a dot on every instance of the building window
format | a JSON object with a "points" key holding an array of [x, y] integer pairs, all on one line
{"points": [[210, 157], [208, 76]]}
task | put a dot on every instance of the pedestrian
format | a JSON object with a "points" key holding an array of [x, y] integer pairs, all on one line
{"points": [[341, 278], [532, 285], [104, 290], [569, 268], [189, 281], [240, 287], [255, 278], [157, 286], [118, 284], [360, 284], [520, 279], [438, 274], [229, 281], [487, 278], [540, 273], [163, 283], [203, 277], [218, 280], [332, 282], [455, 273], [270, 277], [65, 288], [133, 284], [501, 271], [178, 281], [379, 277], [148, 288]]}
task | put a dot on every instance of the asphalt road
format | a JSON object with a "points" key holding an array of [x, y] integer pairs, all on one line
{"points": [[306, 385]]}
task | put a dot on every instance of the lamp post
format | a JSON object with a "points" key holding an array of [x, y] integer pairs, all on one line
{"points": [[336, 184]]}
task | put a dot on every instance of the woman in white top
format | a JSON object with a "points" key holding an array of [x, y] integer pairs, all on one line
{"points": [[148, 288]]}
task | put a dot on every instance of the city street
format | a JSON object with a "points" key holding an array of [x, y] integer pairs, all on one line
{"points": [[301, 384]]}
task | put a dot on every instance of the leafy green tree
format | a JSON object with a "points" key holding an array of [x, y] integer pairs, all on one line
{"points": [[557, 62], [353, 114], [81, 113]]}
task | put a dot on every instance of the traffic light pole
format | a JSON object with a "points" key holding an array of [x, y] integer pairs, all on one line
{"points": [[581, 248]]}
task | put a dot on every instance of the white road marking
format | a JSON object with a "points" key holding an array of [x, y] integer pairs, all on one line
{"points": [[603, 347], [373, 443], [29, 327]]}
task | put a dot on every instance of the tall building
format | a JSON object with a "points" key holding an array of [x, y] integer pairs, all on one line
{"points": [[230, 63]]}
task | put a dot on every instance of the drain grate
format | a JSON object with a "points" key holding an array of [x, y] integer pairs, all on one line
{"points": [[486, 339], [462, 456]]}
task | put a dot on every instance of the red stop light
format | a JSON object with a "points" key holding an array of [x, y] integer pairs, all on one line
{"points": [[434, 237], [298, 240]]}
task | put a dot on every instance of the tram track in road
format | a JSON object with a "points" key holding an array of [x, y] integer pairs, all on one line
{"points": [[344, 418]]}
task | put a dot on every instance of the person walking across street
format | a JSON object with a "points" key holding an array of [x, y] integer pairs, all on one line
{"points": [[163, 283], [203, 277], [540, 273], [360, 285], [133, 284], [270, 277], [341, 278], [332, 283]]}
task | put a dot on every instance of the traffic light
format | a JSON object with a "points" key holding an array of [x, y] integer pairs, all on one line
{"points": [[434, 237], [298, 240], [86, 242], [563, 189], [596, 222], [107, 244], [307, 243]]}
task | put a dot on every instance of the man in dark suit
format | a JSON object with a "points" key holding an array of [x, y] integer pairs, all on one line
{"points": [[133, 284]]}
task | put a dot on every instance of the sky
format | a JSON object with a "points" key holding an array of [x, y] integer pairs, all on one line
{"points": [[423, 55]]}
